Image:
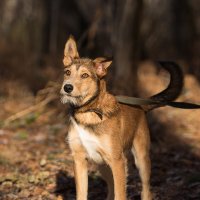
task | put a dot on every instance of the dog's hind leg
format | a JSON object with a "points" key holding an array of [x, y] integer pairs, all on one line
{"points": [[106, 174], [140, 150]]}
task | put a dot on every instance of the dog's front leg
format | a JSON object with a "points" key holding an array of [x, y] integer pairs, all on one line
{"points": [[81, 176], [119, 176]]}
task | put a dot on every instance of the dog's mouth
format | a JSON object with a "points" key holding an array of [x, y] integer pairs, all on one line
{"points": [[69, 98], [73, 96], [78, 100]]}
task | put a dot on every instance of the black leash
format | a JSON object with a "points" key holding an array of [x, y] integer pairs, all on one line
{"points": [[140, 101]]}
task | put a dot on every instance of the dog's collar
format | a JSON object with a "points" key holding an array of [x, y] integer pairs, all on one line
{"points": [[97, 111]]}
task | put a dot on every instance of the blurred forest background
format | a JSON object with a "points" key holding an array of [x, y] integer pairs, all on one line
{"points": [[33, 34], [34, 162]]}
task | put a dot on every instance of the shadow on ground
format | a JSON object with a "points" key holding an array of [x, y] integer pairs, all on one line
{"points": [[175, 169], [65, 187]]}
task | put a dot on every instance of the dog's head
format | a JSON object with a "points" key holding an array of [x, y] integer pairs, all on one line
{"points": [[81, 75]]}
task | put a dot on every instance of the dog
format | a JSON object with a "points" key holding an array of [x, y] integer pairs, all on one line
{"points": [[103, 130]]}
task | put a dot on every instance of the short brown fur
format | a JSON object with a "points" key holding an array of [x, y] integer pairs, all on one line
{"points": [[101, 129]]}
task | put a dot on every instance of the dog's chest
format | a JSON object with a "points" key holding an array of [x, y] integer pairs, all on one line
{"points": [[88, 140]]}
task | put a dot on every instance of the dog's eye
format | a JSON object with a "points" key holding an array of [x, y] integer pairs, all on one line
{"points": [[85, 75], [68, 72]]}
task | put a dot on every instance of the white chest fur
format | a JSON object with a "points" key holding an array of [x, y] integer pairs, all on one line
{"points": [[89, 141]]}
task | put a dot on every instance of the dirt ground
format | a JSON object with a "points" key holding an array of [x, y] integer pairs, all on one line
{"points": [[35, 162]]}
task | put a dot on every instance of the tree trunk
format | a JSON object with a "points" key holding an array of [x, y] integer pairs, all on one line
{"points": [[126, 45]]}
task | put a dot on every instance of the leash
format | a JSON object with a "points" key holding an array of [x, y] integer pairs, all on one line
{"points": [[134, 101]]}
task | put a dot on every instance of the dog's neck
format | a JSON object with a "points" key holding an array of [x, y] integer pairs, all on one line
{"points": [[102, 106]]}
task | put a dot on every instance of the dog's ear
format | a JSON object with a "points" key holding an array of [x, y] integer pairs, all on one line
{"points": [[101, 65], [70, 51]]}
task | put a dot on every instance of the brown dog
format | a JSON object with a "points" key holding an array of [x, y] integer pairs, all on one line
{"points": [[101, 129]]}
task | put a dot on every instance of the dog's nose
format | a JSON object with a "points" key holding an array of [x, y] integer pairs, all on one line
{"points": [[68, 88]]}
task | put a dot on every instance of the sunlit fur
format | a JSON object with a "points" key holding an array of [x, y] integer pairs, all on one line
{"points": [[102, 138]]}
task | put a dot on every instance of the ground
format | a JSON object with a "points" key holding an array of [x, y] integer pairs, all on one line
{"points": [[35, 161]]}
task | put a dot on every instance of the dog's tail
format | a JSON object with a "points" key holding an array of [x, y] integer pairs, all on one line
{"points": [[167, 96], [174, 88]]}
